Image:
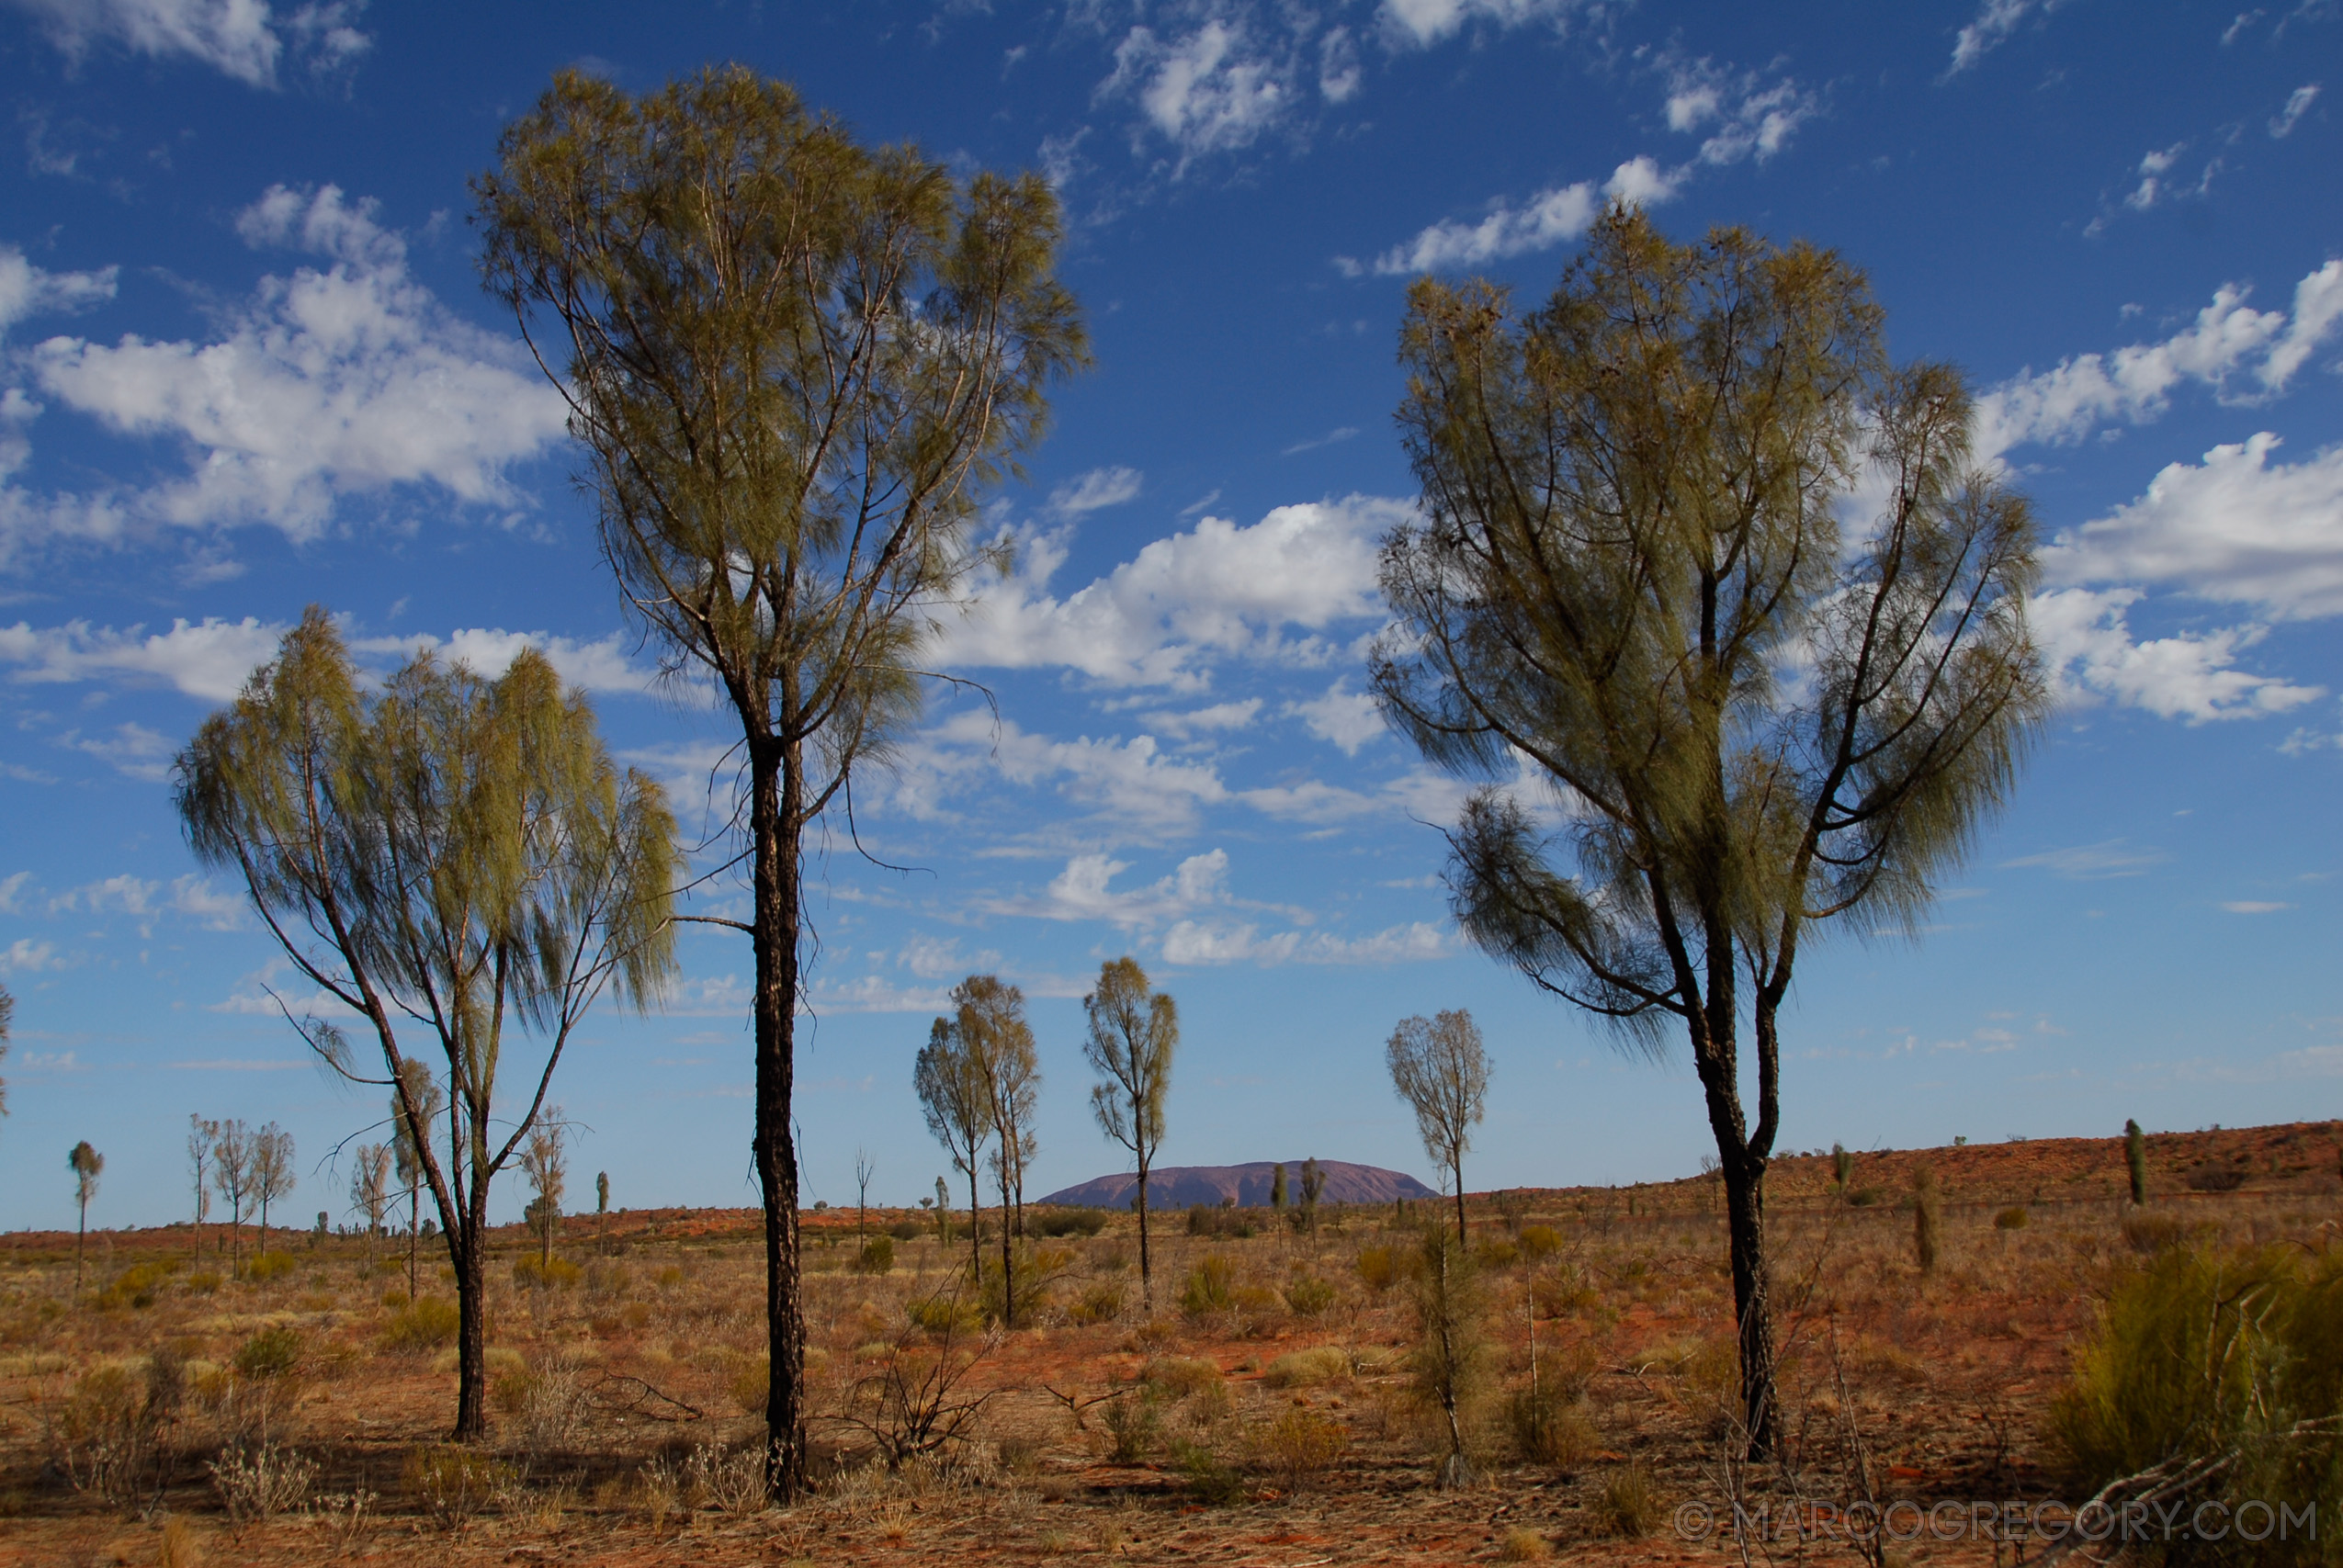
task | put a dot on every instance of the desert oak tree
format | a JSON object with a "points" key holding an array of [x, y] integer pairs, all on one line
{"points": [[453, 853], [795, 364], [1134, 1033], [1728, 587], [1440, 1069]]}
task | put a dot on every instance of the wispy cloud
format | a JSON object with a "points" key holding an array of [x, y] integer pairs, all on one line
{"points": [[2088, 862]]}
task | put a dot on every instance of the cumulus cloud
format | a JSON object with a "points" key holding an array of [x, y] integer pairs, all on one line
{"points": [[1083, 892], [1128, 783], [1425, 22], [2298, 104], [2193, 676], [1548, 219], [1215, 591], [1744, 113], [212, 659], [2155, 165], [1340, 716], [345, 380], [1206, 720], [2225, 344], [193, 896], [1214, 90], [129, 749], [243, 39], [1200, 943], [1995, 20], [2237, 529], [1094, 491], [28, 290]]}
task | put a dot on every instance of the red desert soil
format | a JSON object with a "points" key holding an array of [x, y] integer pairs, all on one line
{"points": [[624, 1386]]}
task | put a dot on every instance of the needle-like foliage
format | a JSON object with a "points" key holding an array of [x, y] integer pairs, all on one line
{"points": [[1632, 583], [457, 855], [795, 364], [1134, 1033]]}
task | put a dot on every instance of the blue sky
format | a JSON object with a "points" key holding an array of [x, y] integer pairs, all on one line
{"points": [[247, 365]]}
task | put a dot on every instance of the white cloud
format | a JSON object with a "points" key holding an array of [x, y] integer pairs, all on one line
{"points": [[1338, 67], [345, 381], [1640, 182], [2253, 906], [28, 290], [1548, 219], [2085, 638], [1341, 717], [600, 665], [1426, 22], [1218, 717], [2092, 862], [1212, 942], [131, 748], [2227, 340], [211, 658], [1994, 22], [1212, 91], [25, 956], [193, 896], [243, 39], [2153, 166], [1081, 892], [1095, 491], [12, 892], [1751, 116], [2298, 104], [2238, 529], [1216, 590]]}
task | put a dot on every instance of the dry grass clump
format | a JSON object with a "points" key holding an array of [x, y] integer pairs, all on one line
{"points": [[1307, 1369]]}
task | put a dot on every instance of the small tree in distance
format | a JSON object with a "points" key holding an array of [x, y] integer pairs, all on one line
{"points": [[202, 1135], [231, 1155], [1439, 1068], [546, 1165], [602, 1210], [84, 1162], [370, 1192], [951, 1097], [419, 1090], [1000, 1053], [1134, 1034], [272, 1173], [1313, 1189]]}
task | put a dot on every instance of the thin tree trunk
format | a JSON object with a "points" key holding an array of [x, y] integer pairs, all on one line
{"points": [[1459, 1170], [775, 789], [415, 1235], [264, 1227], [1008, 1260], [80, 1238], [471, 1319], [976, 1229], [1147, 1279]]}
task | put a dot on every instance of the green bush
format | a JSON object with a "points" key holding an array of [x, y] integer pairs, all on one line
{"points": [[1309, 1295], [2207, 1354], [271, 1353], [2013, 1218], [422, 1326], [1100, 1302], [560, 1274], [1210, 1286], [1306, 1369], [1549, 1427], [267, 1266], [948, 1314], [1537, 1241], [878, 1255], [137, 1286], [1067, 1221], [1212, 1481]]}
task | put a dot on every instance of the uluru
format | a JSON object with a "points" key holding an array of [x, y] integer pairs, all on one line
{"points": [[1184, 1185]]}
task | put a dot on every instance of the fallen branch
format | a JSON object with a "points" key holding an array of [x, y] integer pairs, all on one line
{"points": [[644, 1401]]}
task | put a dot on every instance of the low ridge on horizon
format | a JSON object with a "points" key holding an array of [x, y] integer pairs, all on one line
{"points": [[1184, 1185]]}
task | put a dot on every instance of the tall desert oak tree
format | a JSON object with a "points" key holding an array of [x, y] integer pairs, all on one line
{"points": [[1134, 1033], [454, 855], [795, 364], [1632, 582]]}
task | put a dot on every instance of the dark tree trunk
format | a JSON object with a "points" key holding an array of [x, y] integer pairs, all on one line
{"points": [[1752, 1314], [1008, 1262], [776, 788], [472, 1324], [976, 1229], [1147, 1279], [1459, 1169]]}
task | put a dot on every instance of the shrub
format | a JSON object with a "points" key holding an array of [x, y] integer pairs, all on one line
{"points": [[1179, 1376], [1100, 1302], [203, 1282], [255, 1483], [1550, 1426], [456, 1483], [2209, 1355], [1297, 1445], [1306, 1369], [1627, 1505], [1925, 1218], [422, 1326], [1310, 1295], [106, 1438], [907, 1230], [547, 1406], [1212, 1479], [271, 1353], [878, 1255], [750, 1382], [1134, 1425], [1864, 1196], [136, 1287], [1523, 1544], [606, 1279], [1449, 1365], [950, 1313], [1499, 1252], [267, 1266], [1068, 1222], [2013, 1218], [1381, 1266], [2150, 1232], [2217, 1178], [1538, 1241], [1210, 1287], [729, 1480], [536, 1274]]}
